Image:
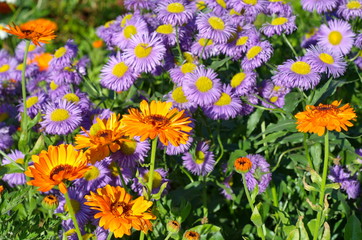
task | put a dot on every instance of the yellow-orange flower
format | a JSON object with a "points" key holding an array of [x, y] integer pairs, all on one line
{"points": [[97, 43], [242, 164], [104, 137], [51, 168], [42, 60], [316, 119], [36, 32], [118, 212], [49, 24], [156, 119]]}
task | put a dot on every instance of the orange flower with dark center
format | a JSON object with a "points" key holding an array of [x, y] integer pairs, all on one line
{"points": [[103, 138], [32, 31], [242, 164], [118, 212], [316, 119], [191, 235], [53, 167], [158, 119]]}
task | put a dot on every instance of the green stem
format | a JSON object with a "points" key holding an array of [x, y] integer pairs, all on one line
{"points": [[323, 185], [110, 234], [152, 166], [168, 235], [204, 198], [72, 215], [263, 137], [274, 195], [307, 151], [187, 174], [142, 235], [289, 45], [121, 177], [23, 86], [247, 193], [178, 45]]}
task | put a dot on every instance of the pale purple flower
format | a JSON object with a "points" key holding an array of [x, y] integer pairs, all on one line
{"points": [[259, 173]]}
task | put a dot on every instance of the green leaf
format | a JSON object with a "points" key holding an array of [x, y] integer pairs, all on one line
{"points": [[256, 217], [217, 64], [292, 100], [327, 90], [10, 168], [293, 235], [353, 230], [208, 231], [327, 232], [315, 177], [303, 231], [311, 225], [39, 145], [13, 199], [316, 153], [271, 137], [253, 121], [157, 196], [333, 186], [34, 121]]}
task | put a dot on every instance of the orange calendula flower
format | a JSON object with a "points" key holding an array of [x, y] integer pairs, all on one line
{"points": [[97, 43], [156, 119], [51, 168], [191, 235], [42, 60], [118, 212], [242, 164], [49, 24], [103, 138], [35, 32], [315, 119]]}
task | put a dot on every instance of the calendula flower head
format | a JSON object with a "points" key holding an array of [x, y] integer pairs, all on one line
{"points": [[173, 226], [50, 202], [103, 138], [191, 235], [55, 166], [118, 212], [157, 119], [316, 119], [242, 164], [36, 32]]}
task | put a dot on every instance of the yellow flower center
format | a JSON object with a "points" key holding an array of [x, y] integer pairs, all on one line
{"points": [[75, 205], [360, 53], [233, 12], [250, 2], [237, 79], [282, 1], [221, 3], [353, 5], [165, 29], [125, 19], [326, 58], [253, 52], [19, 67], [3, 116], [59, 115], [113, 168], [92, 173], [225, 99], [20, 160], [201, 5], [71, 97], [175, 8], [179, 96], [242, 40], [188, 67], [188, 57], [4, 68], [273, 99], [31, 47], [276, 88], [157, 179], [60, 52], [279, 21], [53, 85], [31, 101], [205, 42], [216, 23], [142, 50], [335, 37], [200, 157], [129, 31], [128, 147], [156, 120], [119, 69], [203, 84], [300, 67], [108, 24]]}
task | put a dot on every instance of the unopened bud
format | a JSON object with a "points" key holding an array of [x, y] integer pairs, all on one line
{"points": [[173, 226], [191, 235], [50, 202]]}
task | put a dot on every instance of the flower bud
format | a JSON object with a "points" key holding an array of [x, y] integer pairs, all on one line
{"points": [[191, 235], [173, 226], [50, 202]]}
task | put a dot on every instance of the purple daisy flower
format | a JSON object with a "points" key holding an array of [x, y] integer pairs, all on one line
{"points": [[358, 61], [227, 191], [71, 74], [117, 75], [243, 82], [202, 86], [348, 183], [131, 153], [159, 178], [273, 94], [105, 33], [310, 38], [61, 117], [279, 8], [299, 73], [137, 5], [358, 41], [7, 111], [337, 36], [97, 176], [167, 32], [350, 9], [249, 6], [83, 213], [16, 72], [326, 61], [179, 100], [217, 6], [259, 173], [100, 233], [63, 56], [204, 46], [175, 12], [226, 107], [256, 55], [133, 27], [145, 52], [248, 109], [200, 161], [279, 25], [78, 98], [5, 137], [33, 50], [38, 81], [215, 27], [178, 74], [14, 179], [34, 104], [7, 65], [319, 6], [68, 230]]}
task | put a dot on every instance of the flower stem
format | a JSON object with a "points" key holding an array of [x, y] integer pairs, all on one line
{"points": [[168, 235], [72, 215], [323, 185], [307, 151], [178, 44], [152, 166], [110, 234], [289, 45], [23, 86], [121, 177]]}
